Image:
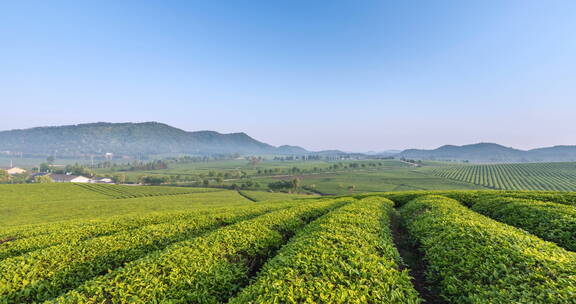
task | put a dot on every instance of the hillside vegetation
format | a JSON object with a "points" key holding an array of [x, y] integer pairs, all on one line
{"points": [[493, 153], [130, 139], [462, 246]]}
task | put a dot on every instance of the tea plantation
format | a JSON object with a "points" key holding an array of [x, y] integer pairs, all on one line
{"points": [[183, 245]]}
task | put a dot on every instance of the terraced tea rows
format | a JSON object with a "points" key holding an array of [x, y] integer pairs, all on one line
{"points": [[473, 259], [475, 247], [539, 176], [44, 273], [346, 256], [34, 204], [207, 269], [119, 191]]}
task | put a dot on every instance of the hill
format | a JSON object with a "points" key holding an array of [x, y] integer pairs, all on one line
{"points": [[146, 138], [493, 153]]}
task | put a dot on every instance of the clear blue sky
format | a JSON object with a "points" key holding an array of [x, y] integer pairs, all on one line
{"points": [[352, 75]]}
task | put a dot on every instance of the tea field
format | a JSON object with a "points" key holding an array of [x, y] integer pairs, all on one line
{"points": [[217, 246], [536, 176], [41, 203]]}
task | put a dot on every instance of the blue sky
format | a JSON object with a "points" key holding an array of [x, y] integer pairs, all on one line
{"points": [[351, 75]]}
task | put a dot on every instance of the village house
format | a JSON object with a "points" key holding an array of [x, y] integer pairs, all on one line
{"points": [[65, 178], [15, 170]]}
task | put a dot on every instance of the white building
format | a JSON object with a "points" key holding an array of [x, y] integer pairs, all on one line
{"points": [[15, 170], [64, 178], [104, 180]]}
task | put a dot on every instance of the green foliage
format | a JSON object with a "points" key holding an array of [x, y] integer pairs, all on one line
{"points": [[469, 197], [153, 165], [95, 243], [59, 268], [45, 167], [119, 191], [473, 259], [43, 179], [207, 269], [127, 139], [119, 178], [539, 176], [42, 203], [152, 180], [4, 176], [550, 221], [77, 169], [26, 239], [271, 196], [281, 185], [566, 198], [346, 256]]}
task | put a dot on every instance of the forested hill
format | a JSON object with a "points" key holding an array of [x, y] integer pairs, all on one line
{"points": [[131, 139], [493, 153]]}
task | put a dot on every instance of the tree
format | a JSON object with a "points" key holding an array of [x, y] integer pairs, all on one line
{"points": [[43, 179], [50, 159], [119, 178], [295, 183], [280, 185], [19, 178], [44, 167], [4, 176], [206, 182], [152, 180], [255, 160], [249, 184], [78, 169], [351, 188]]}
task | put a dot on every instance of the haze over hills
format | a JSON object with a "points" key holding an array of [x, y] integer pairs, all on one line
{"points": [[153, 138], [148, 138], [492, 153]]}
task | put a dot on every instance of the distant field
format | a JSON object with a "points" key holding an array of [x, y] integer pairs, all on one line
{"points": [[270, 196], [392, 175], [118, 191], [394, 179], [197, 169], [536, 176], [14, 194], [41, 203]]}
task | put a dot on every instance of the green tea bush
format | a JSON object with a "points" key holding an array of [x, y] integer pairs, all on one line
{"points": [[73, 232], [565, 198], [346, 256], [42, 274], [119, 191], [474, 259], [550, 221], [554, 176], [207, 269]]}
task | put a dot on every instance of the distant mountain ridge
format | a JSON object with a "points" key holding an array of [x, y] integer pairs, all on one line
{"points": [[154, 138], [147, 138], [492, 153]]}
